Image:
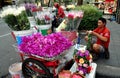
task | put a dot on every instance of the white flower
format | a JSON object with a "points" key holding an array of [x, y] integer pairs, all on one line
{"points": [[70, 6], [89, 32], [7, 12], [22, 8], [17, 12]]}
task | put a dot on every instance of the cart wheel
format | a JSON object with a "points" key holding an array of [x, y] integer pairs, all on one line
{"points": [[35, 69]]}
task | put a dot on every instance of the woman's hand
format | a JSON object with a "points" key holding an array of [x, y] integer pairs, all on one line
{"points": [[86, 38], [89, 32]]}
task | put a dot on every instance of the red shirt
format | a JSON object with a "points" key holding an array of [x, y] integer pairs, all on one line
{"points": [[104, 32], [61, 12]]}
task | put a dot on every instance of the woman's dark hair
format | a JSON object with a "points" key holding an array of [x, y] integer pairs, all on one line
{"points": [[103, 20]]}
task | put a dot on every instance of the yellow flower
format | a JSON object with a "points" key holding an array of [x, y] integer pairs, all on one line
{"points": [[90, 56], [81, 61]]}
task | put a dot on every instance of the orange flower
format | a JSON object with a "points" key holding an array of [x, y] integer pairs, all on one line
{"points": [[81, 61]]}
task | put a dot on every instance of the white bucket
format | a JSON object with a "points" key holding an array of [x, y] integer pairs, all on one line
{"points": [[16, 70], [42, 27], [23, 32]]}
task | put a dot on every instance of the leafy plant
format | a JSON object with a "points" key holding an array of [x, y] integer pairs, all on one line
{"points": [[90, 18], [16, 18], [19, 22], [11, 21]]}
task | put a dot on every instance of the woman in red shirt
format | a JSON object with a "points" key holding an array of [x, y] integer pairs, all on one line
{"points": [[60, 11], [59, 16]]}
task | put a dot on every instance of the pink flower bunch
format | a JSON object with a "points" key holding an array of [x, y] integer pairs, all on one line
{"points": [[70, 16], [74, 14], [45, 46]]}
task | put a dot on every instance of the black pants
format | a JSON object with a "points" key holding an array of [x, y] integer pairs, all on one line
{"points": [[55, 23]]}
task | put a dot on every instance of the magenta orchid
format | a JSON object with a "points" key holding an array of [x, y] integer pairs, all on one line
{"points": [[44, 46]]}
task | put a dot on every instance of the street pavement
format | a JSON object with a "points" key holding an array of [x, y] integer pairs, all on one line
{"points": [[8, 55]]}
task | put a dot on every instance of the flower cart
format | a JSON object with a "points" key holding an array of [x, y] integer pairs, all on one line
{"points": [[44, 62]]}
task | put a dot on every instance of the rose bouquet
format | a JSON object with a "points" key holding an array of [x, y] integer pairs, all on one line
{"points": [[73, 19], [44, 46], [83, 59]]}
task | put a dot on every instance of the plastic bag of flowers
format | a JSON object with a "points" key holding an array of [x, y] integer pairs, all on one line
{"points": [[48, 46], [83, 60], [73, 20]]}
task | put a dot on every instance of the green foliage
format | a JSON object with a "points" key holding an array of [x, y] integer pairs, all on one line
{"points": [[11, 20], [90, 18], [41, 22], [19, 22]]}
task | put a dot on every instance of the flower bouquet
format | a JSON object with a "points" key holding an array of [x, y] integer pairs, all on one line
{"points": [[73, 20], [83, 59], [43, 18], [48, 47]]}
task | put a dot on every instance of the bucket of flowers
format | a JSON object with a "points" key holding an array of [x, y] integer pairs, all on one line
{"points": [[16, 19], [83, 60], [45, 46], [43, 20]]}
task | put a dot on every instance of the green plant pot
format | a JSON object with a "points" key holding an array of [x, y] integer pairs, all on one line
{"points": [[44, 32], [44, 28]]}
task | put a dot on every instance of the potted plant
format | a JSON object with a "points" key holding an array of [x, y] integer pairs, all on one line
{"points": [[16, 19]]}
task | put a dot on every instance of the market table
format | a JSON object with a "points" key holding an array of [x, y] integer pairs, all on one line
{"points": [[90, 75]]}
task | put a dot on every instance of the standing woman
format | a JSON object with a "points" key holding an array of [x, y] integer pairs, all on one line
{"points": [[59, 16]]}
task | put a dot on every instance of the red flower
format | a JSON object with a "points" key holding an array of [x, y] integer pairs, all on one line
{"points": [[88, 57], [70, 16], [77, 60], [89, 69], [47, 17]]}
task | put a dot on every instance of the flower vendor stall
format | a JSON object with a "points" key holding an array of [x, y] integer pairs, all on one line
{"points": [[45, 55], [47, 52]]}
